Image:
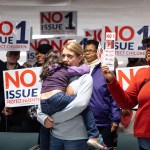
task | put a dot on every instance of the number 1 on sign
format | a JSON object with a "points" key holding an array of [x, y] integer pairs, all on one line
{"points": [[70, 16]]}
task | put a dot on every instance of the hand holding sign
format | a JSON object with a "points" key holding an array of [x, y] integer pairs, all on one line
{"points": [[109, 53]]}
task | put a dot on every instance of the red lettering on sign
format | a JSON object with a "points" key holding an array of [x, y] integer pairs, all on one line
{"points": [[34, 45], [6, 23], [96, 34], [122, 76], [50, 17], [107, 29], [44, 17], [131, 35], [9, 78], [87, 34], [19, 79], [119, 33], [33, 78], [57, 17]]}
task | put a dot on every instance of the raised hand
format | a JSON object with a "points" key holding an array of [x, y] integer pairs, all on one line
{"points": [[108, 74]]}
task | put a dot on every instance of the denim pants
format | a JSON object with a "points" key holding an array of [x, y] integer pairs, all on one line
{"points": [[141, 148], [90, 124], [44, 138], [55, 103], [144, 143], [50, 106], [58, 144], [58, 102]]}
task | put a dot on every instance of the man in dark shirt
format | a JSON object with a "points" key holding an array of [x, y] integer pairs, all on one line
{"points": [[12, 119], [2, 68]]}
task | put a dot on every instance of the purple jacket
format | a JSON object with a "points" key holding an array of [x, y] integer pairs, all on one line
{"points": [[60, 76], [102, 104]]}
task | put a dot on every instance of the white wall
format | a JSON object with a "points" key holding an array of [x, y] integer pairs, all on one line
{"points": [[92, 14]]}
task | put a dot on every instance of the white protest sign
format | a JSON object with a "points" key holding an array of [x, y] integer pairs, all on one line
{"points": [[14, 35], [58, 22], [128, 39], [126, 75], [22, 87], [57, 44], [96, 34], [109, 51]]}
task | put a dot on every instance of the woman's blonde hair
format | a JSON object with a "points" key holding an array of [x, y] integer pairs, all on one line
{"points": [[74, 47]]}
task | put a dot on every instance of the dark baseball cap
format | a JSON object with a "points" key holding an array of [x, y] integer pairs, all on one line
{"points": [[44, 48]]}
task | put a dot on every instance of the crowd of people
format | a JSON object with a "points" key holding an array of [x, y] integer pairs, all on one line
{"points": [[79, 105]]}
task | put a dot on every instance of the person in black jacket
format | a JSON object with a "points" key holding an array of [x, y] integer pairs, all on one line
{"points": [[12, 119], [2, 68]]}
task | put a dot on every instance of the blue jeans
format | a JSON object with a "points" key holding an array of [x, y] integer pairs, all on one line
{"points": [[55, 103], [141, 148], [89, 122], [58, 144], [58, 102], [44, 138]]}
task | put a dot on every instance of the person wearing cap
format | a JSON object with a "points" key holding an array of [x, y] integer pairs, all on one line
{"points": [[12, 119], [40, 54], [42, 50], [136, 93]]}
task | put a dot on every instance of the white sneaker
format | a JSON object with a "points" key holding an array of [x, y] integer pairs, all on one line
{"points": [[94, 142]]}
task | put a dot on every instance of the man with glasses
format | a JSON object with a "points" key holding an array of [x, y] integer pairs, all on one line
{"points": [[106, 112]]}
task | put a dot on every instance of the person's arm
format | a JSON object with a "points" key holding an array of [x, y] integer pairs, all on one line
{"points": [[44, 119], [83, 88], [40, 115], [78, 70], [125, 99], [115, 115]]}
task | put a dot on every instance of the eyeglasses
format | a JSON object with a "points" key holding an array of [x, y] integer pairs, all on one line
{"points": [[90, 51]]}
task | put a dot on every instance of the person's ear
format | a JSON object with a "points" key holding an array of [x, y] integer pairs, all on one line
{"points": [[80, 58]]}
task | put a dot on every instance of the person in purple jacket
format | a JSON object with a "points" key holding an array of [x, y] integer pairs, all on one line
{"points": [[106, 112], [56, 94]]}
